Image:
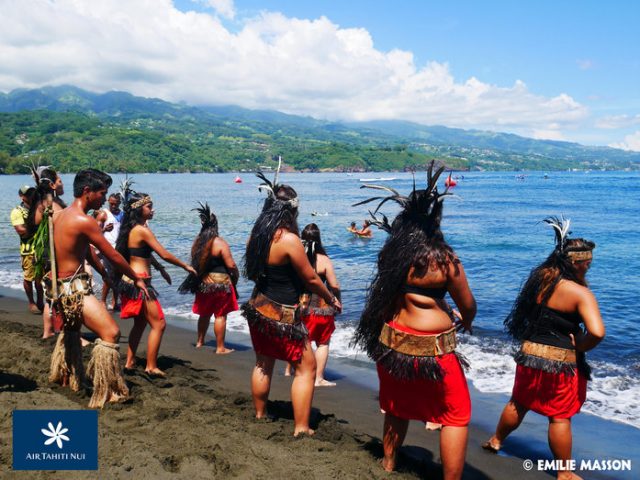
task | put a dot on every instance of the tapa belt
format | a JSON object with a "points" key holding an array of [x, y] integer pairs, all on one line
{"points": [[548, 352], [273, 310], [418, 345]]}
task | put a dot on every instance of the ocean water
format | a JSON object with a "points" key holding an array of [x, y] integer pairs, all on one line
{"points": [[493, 223]]}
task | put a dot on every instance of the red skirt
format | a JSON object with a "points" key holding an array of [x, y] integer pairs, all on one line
{"points": [[216, 304], [133, 307], [320, 327], [446, 402], [555, 395], [280, 348]]}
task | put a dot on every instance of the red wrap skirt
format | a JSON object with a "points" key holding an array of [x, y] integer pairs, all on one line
{"points": [[555, 395], [280, 348], [320, 327], [133, 307], [216, 304], [446, 401]]}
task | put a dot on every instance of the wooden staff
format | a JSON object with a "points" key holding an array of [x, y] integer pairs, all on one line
{"points": [[52, 250]]}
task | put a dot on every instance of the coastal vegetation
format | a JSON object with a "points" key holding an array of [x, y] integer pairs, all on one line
{"points": [[71, 128]]}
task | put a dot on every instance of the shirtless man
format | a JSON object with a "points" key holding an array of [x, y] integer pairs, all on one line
{"points": [[73, 232]]}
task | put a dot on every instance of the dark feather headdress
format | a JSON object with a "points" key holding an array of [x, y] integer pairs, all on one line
{"points": [[421, 204], [125, 189], [272, 187], [207, 217]]}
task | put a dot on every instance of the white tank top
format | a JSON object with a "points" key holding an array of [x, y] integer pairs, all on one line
{"points": [[111, 236]]}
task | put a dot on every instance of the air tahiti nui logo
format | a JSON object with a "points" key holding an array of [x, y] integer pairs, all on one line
{"points": [[55, 434]]}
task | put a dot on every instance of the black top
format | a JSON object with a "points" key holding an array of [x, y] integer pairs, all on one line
{"points": [[215, 265], [281, 284], [142, 252], [439, 292], [553, 327]]}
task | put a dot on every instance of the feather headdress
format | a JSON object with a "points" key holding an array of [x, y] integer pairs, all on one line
{"points": [[272, 187], [125, 189], [207, 217], [560, 227], [420, 203]]}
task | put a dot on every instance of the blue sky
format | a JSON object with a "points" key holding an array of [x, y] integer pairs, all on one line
{"points": [[560, 70]]}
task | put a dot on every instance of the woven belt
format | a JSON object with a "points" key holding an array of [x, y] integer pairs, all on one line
{"points": [[274, 310], [418, 345], [80, 283], [548, 352], [217, 278]]}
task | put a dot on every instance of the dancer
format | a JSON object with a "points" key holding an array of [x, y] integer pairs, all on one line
{"points": [[69, 287], [409, 329], [316, 314], [18, 220], [45, 205], [110, 220], [215, 283], [135, 243], [552, 372], [276, 261]]}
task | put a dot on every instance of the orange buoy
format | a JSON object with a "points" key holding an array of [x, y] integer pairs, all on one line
{"points": [[238, 180]]}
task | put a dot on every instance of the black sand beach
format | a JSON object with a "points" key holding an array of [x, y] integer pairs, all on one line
{"points": [[198, 423]]}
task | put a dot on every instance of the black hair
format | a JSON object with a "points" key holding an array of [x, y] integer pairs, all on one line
{"points": [[312, 242], [279, 211], [92, 178], [45, 179], [132, 217], [541, 284], [116, 195], [201, 247]]}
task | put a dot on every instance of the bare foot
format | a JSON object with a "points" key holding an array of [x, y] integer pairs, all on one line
{"points": [[48, 335], [33, 308], [492, 445], [324, 383], [302, 432], [433, 426], [388, 465], [156, 372], [224, 351], [199, 345], [117, 398]]}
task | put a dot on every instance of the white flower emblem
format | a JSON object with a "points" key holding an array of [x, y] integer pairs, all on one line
{"points": [[56, 434]]}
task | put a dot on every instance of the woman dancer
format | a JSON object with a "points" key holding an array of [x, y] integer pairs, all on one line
{"points": [[409, 330], [316, 314], [552, 373], [135, 243], [215, 283], [276, 261]]}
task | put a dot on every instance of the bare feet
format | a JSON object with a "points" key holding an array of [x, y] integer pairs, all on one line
{"points": [[199, 345], [116, 398], [48, 335], [33, 308], [224, 351], [324, 383], [303, 432], [492, 445], [156, 372]]}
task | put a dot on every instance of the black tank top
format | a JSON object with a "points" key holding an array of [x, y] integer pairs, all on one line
{"points": [[281, 284], [215, 265], [553, 327], [439, 292], [142, 252]]}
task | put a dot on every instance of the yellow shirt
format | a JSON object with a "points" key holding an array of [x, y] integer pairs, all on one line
{"points": [[19, 217]]}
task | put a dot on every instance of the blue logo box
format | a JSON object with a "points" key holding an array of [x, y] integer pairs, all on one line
{"points": [[55, 440]]}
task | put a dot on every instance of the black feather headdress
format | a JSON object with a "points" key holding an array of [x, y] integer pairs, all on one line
{"points": [[207, 217], [423, 205]]}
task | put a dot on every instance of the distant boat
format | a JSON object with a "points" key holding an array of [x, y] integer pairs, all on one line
{"points": [[450, 182], [238, 180], [379, 179]]}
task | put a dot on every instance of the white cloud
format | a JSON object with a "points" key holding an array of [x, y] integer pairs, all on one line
{"points": [[226, 8], [631, 142], [298, 66], [618, 121]]}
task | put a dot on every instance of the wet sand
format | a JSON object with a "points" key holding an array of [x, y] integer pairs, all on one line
{"points": [[198, 423]]}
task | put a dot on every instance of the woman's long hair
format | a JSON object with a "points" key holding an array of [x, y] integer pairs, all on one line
{"points": [[132, 217], [312, 242], [201, 248], [279, 211], [541, 284], [415, 240], [45, 178]]}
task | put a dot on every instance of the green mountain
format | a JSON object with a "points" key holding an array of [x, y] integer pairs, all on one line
{"points": [[72, 128]]}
